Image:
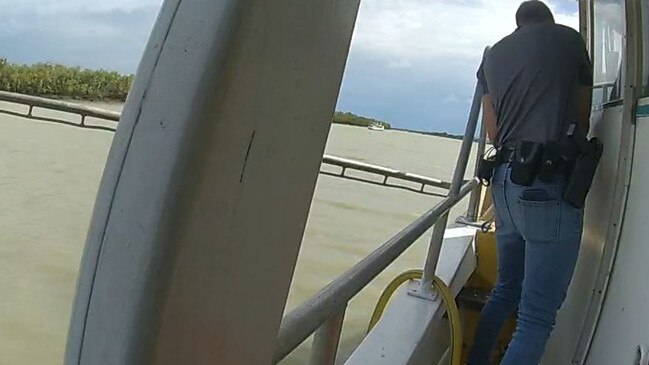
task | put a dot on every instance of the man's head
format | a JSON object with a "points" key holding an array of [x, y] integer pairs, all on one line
{"points": [[533, 12]]}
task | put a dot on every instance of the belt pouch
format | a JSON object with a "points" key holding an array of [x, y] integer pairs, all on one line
{"points": [[525, 166], [549, 165]]}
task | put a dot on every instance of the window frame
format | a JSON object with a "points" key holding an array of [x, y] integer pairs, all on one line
{"points": [[608, 87], [643, 34]]}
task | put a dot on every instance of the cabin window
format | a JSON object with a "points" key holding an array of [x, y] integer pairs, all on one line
{"points": [[645, 53], [608, 50]]}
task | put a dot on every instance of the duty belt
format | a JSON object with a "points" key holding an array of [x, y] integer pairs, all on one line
{"points": [[506, 155]]}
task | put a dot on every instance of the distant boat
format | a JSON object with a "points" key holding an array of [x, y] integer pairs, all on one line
{"points": [[376, 127]]}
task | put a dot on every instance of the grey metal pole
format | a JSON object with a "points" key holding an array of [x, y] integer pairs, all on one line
{"points": [[206, 107], [458, 175], [325, 342], [472, 210], [305, 319], [39, 102]]}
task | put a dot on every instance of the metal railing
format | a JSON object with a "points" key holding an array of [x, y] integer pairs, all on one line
{"points": [[37, 102], [331, 301], [435, 246], [323, 314], [474, 200], [387, 175], [607, 89]]}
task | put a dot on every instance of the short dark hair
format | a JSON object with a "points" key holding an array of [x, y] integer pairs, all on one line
{"points": [[533, 12]]}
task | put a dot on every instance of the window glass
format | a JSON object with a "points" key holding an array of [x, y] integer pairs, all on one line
{"points": [[608, 50]]}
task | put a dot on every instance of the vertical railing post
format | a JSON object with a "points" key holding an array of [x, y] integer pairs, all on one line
{"points": [[435, 246], [472, 209], [326, 339]]}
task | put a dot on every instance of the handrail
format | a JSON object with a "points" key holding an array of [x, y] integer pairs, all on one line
{"points": [[330, 301], [37, 101], [474, 199], [302, 321], [602, 85], [384, 171], [605, 86], [434, 249], [62, 106]]}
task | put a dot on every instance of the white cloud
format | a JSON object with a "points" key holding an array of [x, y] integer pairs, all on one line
{"points": [[51, 7], [67, 18], [405, 32], [452, 98], [106, 34]]}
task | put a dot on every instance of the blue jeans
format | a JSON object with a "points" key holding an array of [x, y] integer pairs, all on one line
{"points": [[538, 237]]}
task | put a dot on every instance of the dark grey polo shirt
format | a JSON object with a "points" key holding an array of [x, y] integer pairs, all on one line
{"points": [[533, 76]]}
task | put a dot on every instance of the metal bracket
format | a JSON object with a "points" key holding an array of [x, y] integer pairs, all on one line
{"points": [[430, 294], [484, 226]]}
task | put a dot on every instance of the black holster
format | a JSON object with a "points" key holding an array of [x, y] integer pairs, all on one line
{"points": [[583, 171]]}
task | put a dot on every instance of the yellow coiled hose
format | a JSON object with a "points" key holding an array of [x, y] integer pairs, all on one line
{"points": [[447, 298]]}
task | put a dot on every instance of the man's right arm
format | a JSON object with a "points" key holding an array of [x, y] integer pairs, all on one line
{"points": [[585, 92], [488, 111], [489, 117], [584, 104]]}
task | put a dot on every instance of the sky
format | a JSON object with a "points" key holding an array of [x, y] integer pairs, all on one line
{"points": [[412, 63]]}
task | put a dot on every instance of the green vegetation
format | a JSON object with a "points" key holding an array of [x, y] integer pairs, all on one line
{"points": [[63, 82], [357, 120], [53, 80]]}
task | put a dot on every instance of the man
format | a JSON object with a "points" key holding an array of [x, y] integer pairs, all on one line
{"points": [[537, 82]]}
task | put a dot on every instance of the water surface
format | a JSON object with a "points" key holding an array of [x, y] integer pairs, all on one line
{"points": [[49, 175]]}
